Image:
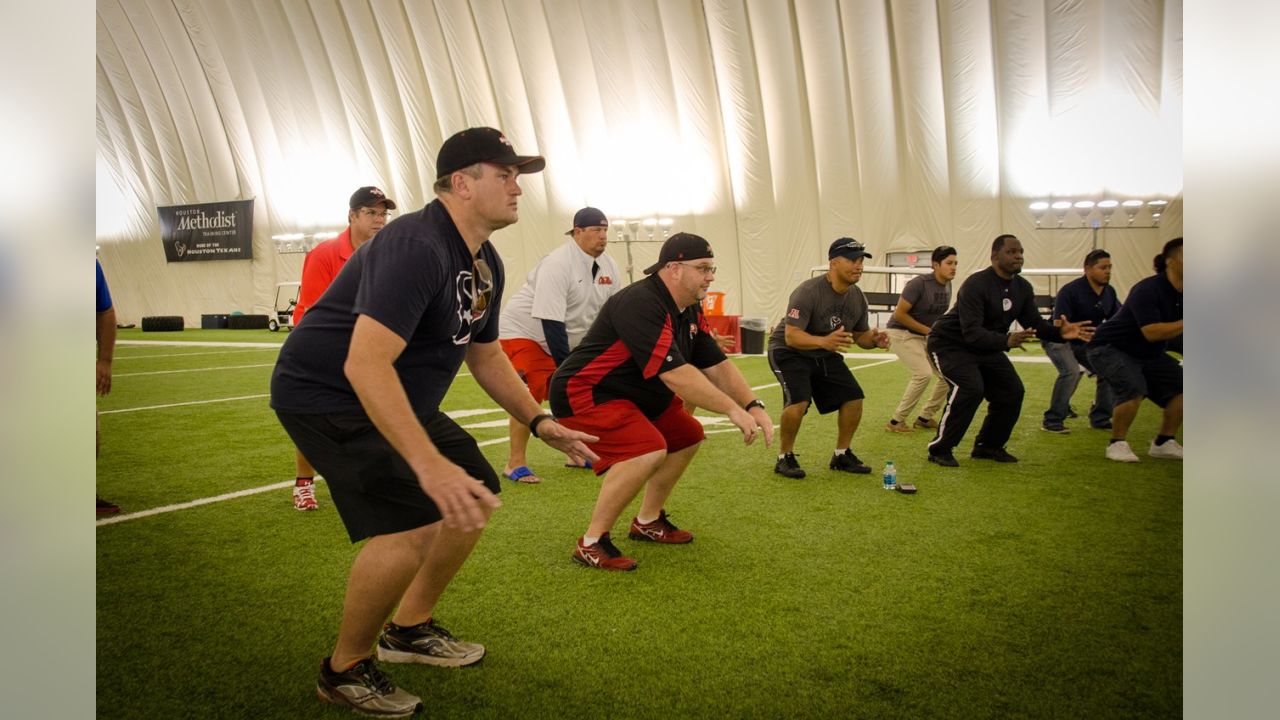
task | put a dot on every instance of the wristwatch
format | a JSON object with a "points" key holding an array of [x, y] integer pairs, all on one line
{"points": [[757, 403]]}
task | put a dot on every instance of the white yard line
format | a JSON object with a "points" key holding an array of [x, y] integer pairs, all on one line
{"points": [[196, 343], [169, 372], [183, 404], [193, 503], [241, 351]]}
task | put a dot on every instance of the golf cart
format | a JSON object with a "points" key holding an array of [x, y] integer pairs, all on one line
{"points": [[283, 317]]}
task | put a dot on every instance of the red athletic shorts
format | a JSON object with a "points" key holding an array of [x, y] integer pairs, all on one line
{"points": [[626, 433], [532, 364]]}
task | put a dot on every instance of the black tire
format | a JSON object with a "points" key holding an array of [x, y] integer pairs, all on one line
{"points": [[162, 323], [273, 326], [247, 322]]}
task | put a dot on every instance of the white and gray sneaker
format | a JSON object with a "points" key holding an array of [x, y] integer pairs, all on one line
{"points": [[1121, 452], [1170, 450], [427, 644], [366, 689]]}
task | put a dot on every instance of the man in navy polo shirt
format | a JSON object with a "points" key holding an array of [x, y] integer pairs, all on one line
{"points": [[1128, 352], [358, 387], [1088, 297], [649, 347]]}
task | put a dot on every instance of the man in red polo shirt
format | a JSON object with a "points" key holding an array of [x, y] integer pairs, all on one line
{"points": [[649, 347], [370, 209]]}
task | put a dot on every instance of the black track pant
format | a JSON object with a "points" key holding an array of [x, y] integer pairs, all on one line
{"points": [[974, 377]]}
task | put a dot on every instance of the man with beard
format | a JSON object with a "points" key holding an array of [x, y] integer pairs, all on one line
{"points": [[649, 347], [1089, 297]]}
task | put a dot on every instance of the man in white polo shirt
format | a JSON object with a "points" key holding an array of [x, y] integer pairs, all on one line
{"points": [[550, 315]]}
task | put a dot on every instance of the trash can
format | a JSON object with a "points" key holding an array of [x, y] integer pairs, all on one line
{"points": [[752, 330]]}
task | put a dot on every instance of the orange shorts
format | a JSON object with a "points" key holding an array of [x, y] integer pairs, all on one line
{"points": [[532, 364]]}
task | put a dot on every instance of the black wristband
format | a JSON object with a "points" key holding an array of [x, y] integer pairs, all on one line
{"points": [[757, 403], [533, 424]]}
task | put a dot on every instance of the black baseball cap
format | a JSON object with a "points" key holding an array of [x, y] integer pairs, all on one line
{"points": [[482, 144], [368, 196], [679, 247], [847, 247], [588, 217]]}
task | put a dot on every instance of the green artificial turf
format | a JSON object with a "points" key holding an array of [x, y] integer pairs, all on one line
{"points": [[1047, 588]]}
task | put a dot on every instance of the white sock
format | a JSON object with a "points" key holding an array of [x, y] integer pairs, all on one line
{"points": [[841, 451], [642, 521], [588, 541]]}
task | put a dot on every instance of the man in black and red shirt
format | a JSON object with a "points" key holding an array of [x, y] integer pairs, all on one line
{"points": [[649, 347]]}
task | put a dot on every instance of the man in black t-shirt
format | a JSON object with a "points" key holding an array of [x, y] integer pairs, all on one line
{"points": [[358, 386], [825, 316], [649, 347], [968, 346]]}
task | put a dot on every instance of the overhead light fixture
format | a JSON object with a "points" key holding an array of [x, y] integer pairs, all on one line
{"points": [[1039, 208], [1131, 208], [1060, 209], [1108, 208]]}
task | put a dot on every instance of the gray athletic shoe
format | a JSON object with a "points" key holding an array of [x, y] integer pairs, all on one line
{"points": [[365, 689], [427, 644]]}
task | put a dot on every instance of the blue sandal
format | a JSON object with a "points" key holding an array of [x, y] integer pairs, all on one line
{"points": [[587, 466], [524, 475]]}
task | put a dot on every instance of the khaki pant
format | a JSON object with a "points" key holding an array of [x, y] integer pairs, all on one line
{"points": [[910, 349]]}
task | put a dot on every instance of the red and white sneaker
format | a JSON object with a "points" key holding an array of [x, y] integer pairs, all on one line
{"points": [[602, 555], [304, 495], [660, 531]]}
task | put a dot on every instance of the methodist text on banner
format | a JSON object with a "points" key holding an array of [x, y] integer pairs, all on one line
{"points": [[208, 231]]}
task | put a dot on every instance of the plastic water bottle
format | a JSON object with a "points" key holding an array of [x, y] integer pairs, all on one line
{"points": [[890, 476]]}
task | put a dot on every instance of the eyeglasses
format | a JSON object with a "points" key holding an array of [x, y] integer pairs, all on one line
{"points": [[704, 269], [480, 292], [383, 214]]}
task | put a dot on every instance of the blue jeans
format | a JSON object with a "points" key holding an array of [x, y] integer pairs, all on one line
{"points": [[1069, 362]]}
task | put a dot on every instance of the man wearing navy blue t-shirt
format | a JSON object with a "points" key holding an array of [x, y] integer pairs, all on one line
{"points": [[1129, 353], [358, 388], [1088, 297]]}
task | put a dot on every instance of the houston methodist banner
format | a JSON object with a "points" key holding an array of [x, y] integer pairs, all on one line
{"points": [[208, 231]]}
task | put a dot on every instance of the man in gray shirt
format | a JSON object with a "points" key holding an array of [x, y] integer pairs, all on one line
{"points": [[825, 316]]}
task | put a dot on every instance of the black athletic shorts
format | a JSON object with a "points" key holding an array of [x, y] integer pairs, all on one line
{"points": [[825, 380], [372, 486], [1158, 378]]}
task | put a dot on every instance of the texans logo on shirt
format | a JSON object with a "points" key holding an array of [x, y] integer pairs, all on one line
{"points": [[693, 329], [794, 313], [835, 321], [467, 316]]}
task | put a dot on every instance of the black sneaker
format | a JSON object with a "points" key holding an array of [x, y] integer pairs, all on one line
{"points": [[1055, 428], [944, 459], [848, 462], [1071, 413], [1104, 425], [427, 644], [997, 454], [365, 689], [107, 508], [787, 466]]}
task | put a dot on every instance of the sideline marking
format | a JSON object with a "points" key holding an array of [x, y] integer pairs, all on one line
{"points": [[182, 404], [169, 355], [193, 503], [199, 343], [169, 372]]}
